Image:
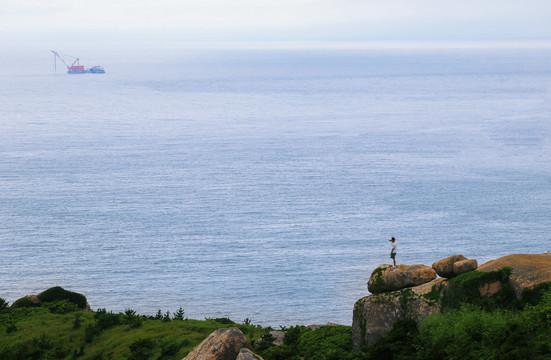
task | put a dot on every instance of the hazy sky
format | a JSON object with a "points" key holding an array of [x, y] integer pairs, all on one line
{"points": [[267, 20]]}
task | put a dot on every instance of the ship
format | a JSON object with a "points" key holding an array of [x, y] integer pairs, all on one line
{"points": [[75, 67]]}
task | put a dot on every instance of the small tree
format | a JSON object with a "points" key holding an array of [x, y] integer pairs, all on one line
{"points": [[179, 315]]}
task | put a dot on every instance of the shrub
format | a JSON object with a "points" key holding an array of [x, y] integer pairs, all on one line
{"points": [[61, 307], [3, 304], [106, 320], [292, 335], [535, 295], [103, 320], [266, 341], [141, 349], [472, 333], [42, 347], [224, 320], [542, 311], [57, 293], [397, 343], [327, 342], [131, 319], [465, 289], [170, 348]]}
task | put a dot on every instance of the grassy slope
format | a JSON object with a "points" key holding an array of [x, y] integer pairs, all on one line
{"points": [[55, 336]]}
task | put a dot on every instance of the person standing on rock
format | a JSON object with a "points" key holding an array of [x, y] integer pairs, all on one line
{"points": [[393, 251]]}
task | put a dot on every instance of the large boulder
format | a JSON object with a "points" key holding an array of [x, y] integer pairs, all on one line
{"points": [[26, 301], [463, 266], [223, 344], [375, 315], [386, 278], [53, 294], [528, 270], [444, 267]]}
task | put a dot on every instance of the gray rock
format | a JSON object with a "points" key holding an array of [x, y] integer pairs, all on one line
{"points": [[246, 354], [444, 267], [278, 338], [317, 326], [463, 266], [223, 344], [375, 315], [386, 278]]}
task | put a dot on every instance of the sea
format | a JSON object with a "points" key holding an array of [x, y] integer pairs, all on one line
{"points": [[265, 183]]}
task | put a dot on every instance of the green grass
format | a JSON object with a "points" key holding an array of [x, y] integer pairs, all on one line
{"points": [[41, 334]]}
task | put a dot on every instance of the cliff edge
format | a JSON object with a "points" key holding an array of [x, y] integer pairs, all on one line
{"points": [[510, 276]]}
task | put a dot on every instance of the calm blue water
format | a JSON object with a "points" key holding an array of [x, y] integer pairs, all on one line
{"points": [[266, 184]]}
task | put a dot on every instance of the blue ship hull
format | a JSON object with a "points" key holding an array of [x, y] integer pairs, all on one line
{"points": [[92, 70]]}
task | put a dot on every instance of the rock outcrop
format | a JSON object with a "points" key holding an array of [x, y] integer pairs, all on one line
{"points": [[528, 270], [444, 267], [375, 315], [386, 278], [463, 266], [223, 344]]}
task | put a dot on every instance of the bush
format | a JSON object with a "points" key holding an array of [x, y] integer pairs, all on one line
{"points": [[472, 333], [292, 335], [327, 342], [61, 307], [266, 341], [170, 348], [42, 347], [103, 320], [397, 344], [142, 349], [57, 293], [542, 311], [106, 320], [465, 289], [131, 319], [535, 295], [224, 321]]}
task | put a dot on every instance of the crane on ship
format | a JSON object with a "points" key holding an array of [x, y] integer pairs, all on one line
{"points": [[75, 67]]}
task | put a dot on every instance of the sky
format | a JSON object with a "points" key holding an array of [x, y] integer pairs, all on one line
{"points": [[166, 21]]}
